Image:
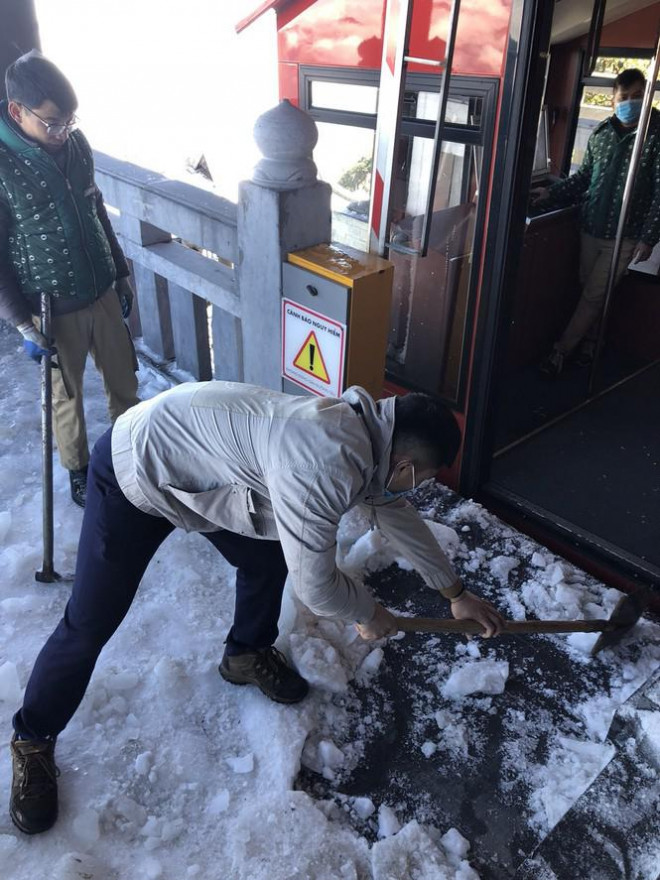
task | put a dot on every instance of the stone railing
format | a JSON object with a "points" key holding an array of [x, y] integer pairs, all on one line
{"points": [[207, 271]]}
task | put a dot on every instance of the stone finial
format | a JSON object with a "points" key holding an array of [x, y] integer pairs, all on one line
{"points": [[286, 136]]}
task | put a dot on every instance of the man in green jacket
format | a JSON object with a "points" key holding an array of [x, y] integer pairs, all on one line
{"points": [[598, 186], [56, 238]]}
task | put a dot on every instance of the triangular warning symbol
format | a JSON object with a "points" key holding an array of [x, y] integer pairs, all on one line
{"points": [[310, 360]]}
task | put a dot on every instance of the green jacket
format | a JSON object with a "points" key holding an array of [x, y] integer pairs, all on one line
{"points": [[599, 182], [54, 232]]}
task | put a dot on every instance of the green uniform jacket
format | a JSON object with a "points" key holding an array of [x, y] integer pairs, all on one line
{"points": [[599, 182], [55, 240]]}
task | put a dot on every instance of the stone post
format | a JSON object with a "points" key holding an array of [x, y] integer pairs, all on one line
{"points": [[283, 208]]}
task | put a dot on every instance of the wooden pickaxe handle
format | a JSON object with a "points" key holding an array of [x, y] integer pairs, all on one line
{"points": [[440, 625]]}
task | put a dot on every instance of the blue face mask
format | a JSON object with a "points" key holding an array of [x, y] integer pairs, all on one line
{"points": [[628, 111]]}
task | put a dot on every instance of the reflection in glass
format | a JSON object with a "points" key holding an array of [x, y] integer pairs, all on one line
{"points": [[431, 293], [347, 97], [343, 156]]}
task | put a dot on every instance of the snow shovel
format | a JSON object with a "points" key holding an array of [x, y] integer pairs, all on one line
{"points": [[47, 574], [627, 612]]}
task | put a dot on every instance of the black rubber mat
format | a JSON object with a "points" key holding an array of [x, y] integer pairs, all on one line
{"points": [[599, 468]]}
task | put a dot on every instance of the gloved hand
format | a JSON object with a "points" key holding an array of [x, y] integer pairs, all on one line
{"points": [[125, 293], [35, 343]]}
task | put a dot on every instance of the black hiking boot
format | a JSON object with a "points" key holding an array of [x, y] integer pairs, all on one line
{"points": [[585, 355], [552, 365], [33, 806], [78, 480], [269, 670]]}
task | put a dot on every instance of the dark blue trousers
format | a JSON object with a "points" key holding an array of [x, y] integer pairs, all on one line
{"points": [[117, 543]]}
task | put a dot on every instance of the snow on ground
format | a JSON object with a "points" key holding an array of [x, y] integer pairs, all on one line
{"points": [[169, 772]]}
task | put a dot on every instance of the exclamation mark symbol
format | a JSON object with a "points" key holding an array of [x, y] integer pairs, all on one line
{"points": [[312, 352]]}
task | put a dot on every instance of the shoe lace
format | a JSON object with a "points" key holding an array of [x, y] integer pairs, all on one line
{"points": [[272, 663], [39, 774]]}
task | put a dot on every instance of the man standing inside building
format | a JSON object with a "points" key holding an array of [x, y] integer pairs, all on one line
{"points": [[598, 186], [56, 239]]}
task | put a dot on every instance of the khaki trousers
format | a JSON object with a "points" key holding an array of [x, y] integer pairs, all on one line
{"points": [[97, 329], [595, 261]]}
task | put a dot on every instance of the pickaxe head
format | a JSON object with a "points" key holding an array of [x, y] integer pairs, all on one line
{"points": [[627, 612]]}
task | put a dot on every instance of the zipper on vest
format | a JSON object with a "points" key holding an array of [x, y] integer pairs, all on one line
{"points": [[80, 223]]}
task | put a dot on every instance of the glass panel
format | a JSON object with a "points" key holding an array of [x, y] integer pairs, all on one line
{"points": [[348, 97], [611, 65], [431, 293], [460, 110], [343, 156]]}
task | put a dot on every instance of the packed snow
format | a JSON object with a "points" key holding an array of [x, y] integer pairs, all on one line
{"points": [[169, 772]]}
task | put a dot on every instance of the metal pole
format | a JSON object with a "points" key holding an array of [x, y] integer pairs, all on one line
{"points": [[47, 574], [625, 208]]}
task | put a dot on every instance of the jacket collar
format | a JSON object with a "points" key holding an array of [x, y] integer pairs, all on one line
{"points": [[11, 135], [378, 419]]}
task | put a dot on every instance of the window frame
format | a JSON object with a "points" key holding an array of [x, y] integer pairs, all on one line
{"points": [[486, 88]]}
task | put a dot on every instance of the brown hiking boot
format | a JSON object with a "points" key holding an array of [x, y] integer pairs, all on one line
{"points": [[33, 806], [269, 670]]}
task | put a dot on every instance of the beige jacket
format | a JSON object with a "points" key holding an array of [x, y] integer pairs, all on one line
{"points": [[221, 455]]}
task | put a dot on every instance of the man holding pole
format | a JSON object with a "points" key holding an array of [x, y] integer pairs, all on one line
{"points": [[57, 245]]}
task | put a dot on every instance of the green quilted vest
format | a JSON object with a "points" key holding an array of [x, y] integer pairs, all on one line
{"points": [[57, 243]]}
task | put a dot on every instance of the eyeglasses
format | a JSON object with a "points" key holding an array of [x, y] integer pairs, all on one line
{"points": [[55, 127]]}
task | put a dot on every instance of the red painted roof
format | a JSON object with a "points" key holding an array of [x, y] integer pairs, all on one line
{"points": [[259, 11]]}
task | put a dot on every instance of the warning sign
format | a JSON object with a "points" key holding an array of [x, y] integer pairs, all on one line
{"points": [[313, 350], [310, 359]]}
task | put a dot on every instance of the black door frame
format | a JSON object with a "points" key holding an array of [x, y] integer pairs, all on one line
{"points": [[522, 94]]}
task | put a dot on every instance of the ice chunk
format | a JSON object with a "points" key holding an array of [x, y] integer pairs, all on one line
{"points": [[454, 843], [10, 686], [219, 803], [388, 824], [364, 807], [319, 663], [330, 755], [502, 566], [143, 763], [242, 764], [555, 573], [371, 662], [484, 676], [538, 560], [428, 748]]}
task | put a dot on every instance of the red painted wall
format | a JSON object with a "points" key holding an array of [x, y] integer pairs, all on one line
{"points": [[639, 29], [346, 33]]}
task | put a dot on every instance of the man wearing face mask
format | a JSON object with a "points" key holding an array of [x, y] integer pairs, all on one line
{"points": [[56, 238], [265, 477], [598, 186]]}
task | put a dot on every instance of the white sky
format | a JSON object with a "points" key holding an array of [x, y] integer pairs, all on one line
{"points": [[160, 80]]}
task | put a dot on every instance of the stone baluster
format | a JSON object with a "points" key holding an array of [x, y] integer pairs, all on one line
{"points": [[283, 208]]}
